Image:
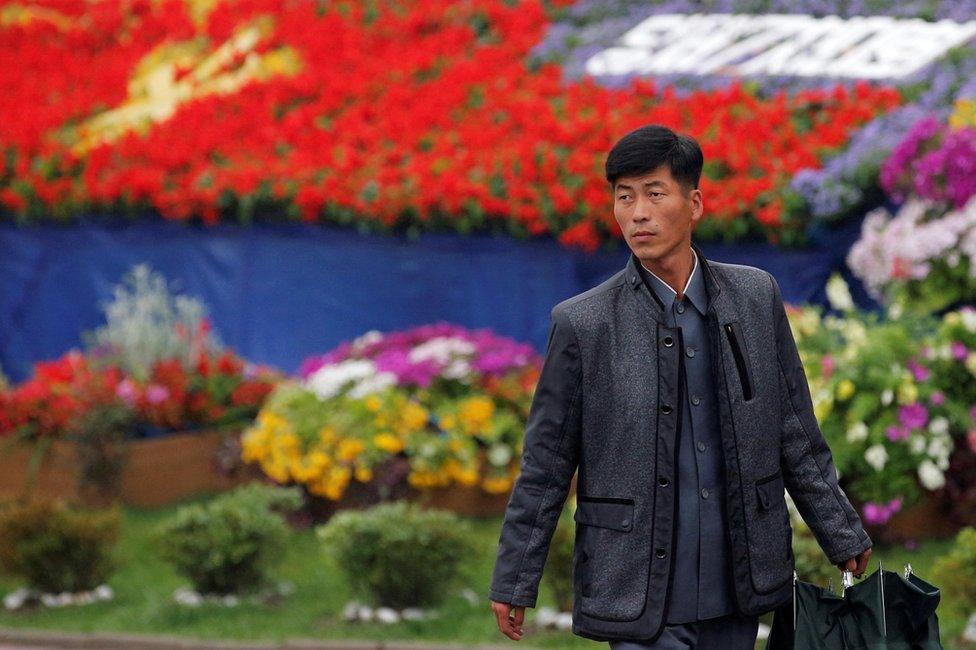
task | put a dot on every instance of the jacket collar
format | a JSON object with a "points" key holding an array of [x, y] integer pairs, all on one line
{"points": [[634, 274], [694, 289]]}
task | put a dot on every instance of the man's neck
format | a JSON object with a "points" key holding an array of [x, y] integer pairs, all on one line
{"points": [[675, 271]]}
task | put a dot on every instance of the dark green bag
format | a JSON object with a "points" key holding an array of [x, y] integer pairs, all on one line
{"points": [[884, 611]]}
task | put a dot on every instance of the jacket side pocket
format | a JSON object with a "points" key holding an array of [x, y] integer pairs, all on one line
{"points": [[734, 334]]}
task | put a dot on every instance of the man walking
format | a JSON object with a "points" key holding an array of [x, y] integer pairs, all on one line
{"points": [[676, 390]]}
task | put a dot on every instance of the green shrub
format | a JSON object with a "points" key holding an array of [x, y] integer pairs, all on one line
{"points": [[955, 574], [56, 548], [398, 554], [230, 544]]}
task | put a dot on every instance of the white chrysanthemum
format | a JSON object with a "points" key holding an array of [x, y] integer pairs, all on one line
{"points": [[886, 396], [876, 456], [930, 476], [940, 447], [857, 432], [369, 385], [939, 425], [367, 338], [442, 349], [457, 369], [328, 381]]}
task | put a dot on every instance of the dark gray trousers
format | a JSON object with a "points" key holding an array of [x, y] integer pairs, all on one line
{"points": [[730, 632]]}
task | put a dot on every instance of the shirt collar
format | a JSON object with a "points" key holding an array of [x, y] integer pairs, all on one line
{"points": [[694, 288]]}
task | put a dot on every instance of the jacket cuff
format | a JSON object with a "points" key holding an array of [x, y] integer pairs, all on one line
{"points": [[851, 551], [511, 599]]}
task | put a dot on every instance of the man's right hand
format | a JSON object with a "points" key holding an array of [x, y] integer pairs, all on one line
{"points": [[511, 626]]}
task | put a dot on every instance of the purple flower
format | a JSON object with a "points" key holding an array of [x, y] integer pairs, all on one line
{"points": [[913, 416], [959, 350], [919, 372], [155, 394], [937, 398], [895, 432]]}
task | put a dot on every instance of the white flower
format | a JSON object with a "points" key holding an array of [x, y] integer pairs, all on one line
{"points": [[940, 447], [838, 293], [886, 396], [968, 319], [917, 443], [930, 476], [857, 432], [499, 455], [442, 349], [939, 425], [876, 456], [368, 338]]}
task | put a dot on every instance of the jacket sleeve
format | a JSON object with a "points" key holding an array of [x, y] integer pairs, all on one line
{"points": [[550, 454], [808, 466]]}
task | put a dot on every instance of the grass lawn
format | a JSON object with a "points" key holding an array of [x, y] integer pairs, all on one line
{"points": [[144, 585]]}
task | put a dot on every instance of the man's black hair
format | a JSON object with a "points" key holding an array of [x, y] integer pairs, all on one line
{"points": [[648, 147]]}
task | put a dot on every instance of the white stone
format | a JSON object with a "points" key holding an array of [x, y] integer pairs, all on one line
{"points": [[365, 613], [387, 615], [16, 599], [351, 611], [969, 634], [564, 621], [469, 595], [188, 597], [50, 600], [230, 600], [546, 616], [412, 614], [104, 592]]}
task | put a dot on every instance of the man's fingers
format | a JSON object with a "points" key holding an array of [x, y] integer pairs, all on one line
{"points": [[508, 625]]}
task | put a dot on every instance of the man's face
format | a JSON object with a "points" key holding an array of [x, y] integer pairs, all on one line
{"points": [[654, 213]]}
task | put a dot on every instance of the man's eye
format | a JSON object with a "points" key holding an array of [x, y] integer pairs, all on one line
{"points": [[657, 193]]}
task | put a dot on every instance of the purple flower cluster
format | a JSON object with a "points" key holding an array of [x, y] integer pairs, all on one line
{"points": [[878, 514], [417, 356], [933, 162]]}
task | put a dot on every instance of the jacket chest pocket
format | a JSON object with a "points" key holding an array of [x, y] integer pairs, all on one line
{"points": [[770, 535], [737, 342], [612, 564]]}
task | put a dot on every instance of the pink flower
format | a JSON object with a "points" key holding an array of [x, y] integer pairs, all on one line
{"points": [[127, 391], [156, 394], [937, 398], [959, 350], [896, 433], [827, 364], [920, 372]]}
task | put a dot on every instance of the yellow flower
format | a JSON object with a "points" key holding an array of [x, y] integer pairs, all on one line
{"points": [[373, 403], [907, 392], [845, 389], [496, 484], [414, 416], [475, 413], [388, 442], [364, 474], [349, 448], [327, 435], [448, 422]]}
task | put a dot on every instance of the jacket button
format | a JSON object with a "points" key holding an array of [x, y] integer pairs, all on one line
{"points": [[665, 408], [663, 481], [680, 308], [704, 493], [696, 400], [660, 552], [701, 446], [668, 341], [625, 523], [690, 352]]}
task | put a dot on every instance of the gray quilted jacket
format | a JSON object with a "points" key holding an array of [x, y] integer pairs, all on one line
{"points": [[606, 405]]}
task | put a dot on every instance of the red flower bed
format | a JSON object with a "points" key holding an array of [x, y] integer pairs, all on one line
{"points": [[221, 389], [420, 113]]}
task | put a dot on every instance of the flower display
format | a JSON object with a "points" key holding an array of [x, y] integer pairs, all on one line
{"points": [[922, 258], [451, 401], [893, 398], [414, 115], [219, 389]]}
